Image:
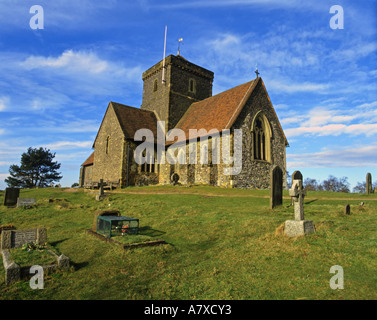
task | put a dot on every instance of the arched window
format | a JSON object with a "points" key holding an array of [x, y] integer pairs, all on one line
{"points": [[155, 85], [261, 138]]}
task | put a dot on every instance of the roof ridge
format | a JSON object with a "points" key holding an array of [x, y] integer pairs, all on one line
{"points": [[125, 105], [223, 92], [247, 94]]}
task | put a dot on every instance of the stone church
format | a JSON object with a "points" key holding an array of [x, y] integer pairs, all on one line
{"points": [[178, 94]]}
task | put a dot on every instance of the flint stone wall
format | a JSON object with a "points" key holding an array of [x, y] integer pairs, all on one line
{"points": [[256, 173]]}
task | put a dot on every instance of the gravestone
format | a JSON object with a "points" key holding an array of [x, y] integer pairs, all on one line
{"points": [[101, 194], [11, 195], [299, 226], [347, 209], [296, 175], [369, 183], [276, 188], [25, 202], [17, 238]]}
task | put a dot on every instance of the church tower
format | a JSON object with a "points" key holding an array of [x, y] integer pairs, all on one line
{"points": [[185, 83]]}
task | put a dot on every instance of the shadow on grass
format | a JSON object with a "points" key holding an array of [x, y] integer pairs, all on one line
{"points": [[309, 202], [78, 266], [55, 243], [148, 231]]}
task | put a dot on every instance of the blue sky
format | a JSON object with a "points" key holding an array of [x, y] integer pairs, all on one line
{"points": [[55, 83]]}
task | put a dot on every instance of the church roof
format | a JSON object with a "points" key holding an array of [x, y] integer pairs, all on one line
{"points": [[219, 111], [132, 119], [89, 161]]}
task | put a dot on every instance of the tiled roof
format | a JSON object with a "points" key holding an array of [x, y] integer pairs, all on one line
{"points": [[132, 119], [219, 111], [216, 112], [89, 161]]}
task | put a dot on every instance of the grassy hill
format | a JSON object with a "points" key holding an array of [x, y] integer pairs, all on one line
{"points": [[222, 244]]}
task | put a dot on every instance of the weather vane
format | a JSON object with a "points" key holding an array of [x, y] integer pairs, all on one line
{"points": [[179, 44]]}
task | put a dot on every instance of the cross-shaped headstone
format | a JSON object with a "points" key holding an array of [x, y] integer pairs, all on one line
{"points": [[298, 194], [101, 194]]}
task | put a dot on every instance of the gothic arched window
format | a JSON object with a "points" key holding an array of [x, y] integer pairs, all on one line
{"points": [[155, 85], [262, 138]]}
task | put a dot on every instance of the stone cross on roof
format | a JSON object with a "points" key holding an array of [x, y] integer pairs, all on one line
{"points": [[257, 72]]}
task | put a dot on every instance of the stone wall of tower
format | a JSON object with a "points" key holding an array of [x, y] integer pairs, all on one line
{"points": [[171, 100]]}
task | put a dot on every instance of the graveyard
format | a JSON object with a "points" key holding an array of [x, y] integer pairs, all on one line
{"points": [[218, 244]]}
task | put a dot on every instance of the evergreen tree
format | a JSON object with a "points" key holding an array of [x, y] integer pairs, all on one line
{"points": [[37, 169]]}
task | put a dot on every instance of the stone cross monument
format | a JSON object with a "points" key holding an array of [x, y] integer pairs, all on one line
{"points": [[101, 194], [299, 226], [298, 194]]}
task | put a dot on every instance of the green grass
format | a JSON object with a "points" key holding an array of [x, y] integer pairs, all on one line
{"points": [[222, 244], [26, 258]]}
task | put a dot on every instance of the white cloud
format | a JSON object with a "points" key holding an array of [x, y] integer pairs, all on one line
{"points": [[367, 129], [4, 102], [322, 121], [3, 176], [75, 61], [281, 106], [351, 156], [268, 4], [67, 145], [322, 116], [368, 105], [333, 129], [292, 87]]}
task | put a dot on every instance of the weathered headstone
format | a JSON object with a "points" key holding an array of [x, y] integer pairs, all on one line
{"points": [[25, 202], [296, 175], [369, 183], [299, 226], [17, 238], [276, 187], [347, 209], [101, 194], [11, 195]]}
